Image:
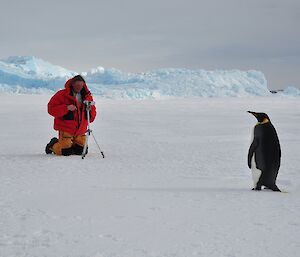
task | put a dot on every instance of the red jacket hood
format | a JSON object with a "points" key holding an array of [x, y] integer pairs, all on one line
{"points": [[68, 86]]}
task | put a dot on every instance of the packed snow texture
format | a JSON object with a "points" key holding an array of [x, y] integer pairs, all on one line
{"points": [[32, 75], [174, 181]]}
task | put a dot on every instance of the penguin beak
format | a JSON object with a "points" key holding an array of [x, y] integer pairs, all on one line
{"points": [[253, 113]]}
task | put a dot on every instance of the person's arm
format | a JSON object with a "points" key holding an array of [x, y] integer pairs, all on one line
{"points": [[56, 106], [93, 111]]}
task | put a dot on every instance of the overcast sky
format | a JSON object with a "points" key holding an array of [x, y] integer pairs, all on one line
{"points": [[140, 35]]}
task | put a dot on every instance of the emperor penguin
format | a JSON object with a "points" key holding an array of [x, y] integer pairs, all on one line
{"points": [[264, 153]]}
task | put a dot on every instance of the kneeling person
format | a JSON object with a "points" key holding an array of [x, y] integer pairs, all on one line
{"points": [[69, 112]]}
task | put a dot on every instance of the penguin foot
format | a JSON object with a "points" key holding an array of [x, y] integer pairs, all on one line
{"points": [[273, 188], [256, 189]]}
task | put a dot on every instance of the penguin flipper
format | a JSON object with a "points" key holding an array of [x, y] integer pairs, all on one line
{"points": [[251, 151]]}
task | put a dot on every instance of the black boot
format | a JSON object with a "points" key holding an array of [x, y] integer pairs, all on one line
{"points": [[50, 144], [78, 149]]}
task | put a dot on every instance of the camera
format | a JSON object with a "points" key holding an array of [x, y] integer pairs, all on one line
{"points": [[88, 104]]}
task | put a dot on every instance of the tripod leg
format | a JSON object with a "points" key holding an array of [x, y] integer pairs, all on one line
{"points": [[87, 136], [88, 132], [84, 152], [98, 145]]}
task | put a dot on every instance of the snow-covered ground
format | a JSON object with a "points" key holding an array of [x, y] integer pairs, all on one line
{"points": [[174, 182]]}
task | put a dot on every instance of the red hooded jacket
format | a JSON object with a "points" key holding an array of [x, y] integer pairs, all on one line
{"points": [[73, 122]]}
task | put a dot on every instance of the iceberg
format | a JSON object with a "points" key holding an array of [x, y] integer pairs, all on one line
{"points": [[291, 91], [31, 75], [35, 67]]}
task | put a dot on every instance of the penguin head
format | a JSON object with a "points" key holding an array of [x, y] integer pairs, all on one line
{"points": [[260, 116]]}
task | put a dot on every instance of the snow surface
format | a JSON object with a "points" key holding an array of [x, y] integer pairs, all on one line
{"points": [[174, 182], [26, 74]]}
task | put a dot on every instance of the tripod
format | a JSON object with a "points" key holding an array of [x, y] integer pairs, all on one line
{"points": [[88, 105]]}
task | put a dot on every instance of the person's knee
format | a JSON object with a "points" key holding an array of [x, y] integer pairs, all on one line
{"points": [[63, 147], [80, 140]]}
